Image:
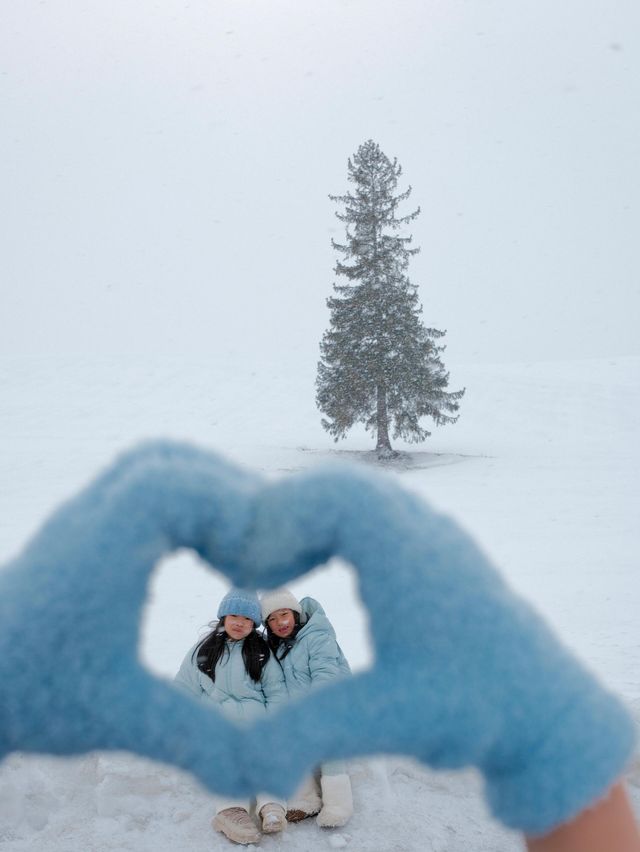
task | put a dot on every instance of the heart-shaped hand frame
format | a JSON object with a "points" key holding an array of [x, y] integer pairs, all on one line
{"points": [[464, 674]]}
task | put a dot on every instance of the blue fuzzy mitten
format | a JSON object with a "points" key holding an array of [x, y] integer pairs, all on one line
{"points": [[465, 673], [70, 679]]}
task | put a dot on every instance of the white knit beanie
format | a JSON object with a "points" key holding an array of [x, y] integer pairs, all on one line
{"points": [[279, 599]]}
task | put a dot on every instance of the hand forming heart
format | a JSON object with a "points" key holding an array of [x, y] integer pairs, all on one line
{"points": [[464, 674]]}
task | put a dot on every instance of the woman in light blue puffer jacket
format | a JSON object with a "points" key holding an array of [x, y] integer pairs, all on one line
{"points": [[233, 668], [304, 642]]}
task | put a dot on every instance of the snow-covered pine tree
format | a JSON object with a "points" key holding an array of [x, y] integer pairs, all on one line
{"points": [[379, 365]]}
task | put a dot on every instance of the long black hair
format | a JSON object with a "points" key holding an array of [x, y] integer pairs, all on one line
{"points": [[255, 652], [279, 645]]}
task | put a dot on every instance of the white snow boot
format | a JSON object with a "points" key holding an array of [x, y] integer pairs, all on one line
{"points": [[237, 825], [305, 802], [337, 801], [273, 817]]}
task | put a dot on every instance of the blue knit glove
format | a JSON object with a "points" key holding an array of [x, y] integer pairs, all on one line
{"points": [[465, 672], [70, 678]]}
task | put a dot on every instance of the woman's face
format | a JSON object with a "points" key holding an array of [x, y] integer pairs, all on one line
{"points": [[282, 622], [237, 626]]}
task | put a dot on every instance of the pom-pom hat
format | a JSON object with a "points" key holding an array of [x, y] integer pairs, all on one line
{"points": [[279, 599], [240, 602]]}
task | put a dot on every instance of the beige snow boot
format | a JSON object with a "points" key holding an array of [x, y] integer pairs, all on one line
{"points": [[337, 801], [273, 817], [305, 802], [237, 825]]}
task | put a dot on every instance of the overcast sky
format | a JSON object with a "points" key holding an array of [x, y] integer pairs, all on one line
{"points": [[166, 165]]}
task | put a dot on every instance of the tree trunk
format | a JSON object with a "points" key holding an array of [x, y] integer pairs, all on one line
{"points": [[383, 446]]}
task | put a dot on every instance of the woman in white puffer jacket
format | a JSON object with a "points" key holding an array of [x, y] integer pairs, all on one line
{"points": [[303, 641]]}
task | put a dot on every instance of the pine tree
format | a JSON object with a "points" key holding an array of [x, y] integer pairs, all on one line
{"points": [[379, 365]]}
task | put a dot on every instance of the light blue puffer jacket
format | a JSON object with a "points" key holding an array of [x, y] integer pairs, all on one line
{"points": [[235, 694], [315, 656]]}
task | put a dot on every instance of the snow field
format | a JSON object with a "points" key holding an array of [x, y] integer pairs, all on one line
{"points": [[542, 468]]}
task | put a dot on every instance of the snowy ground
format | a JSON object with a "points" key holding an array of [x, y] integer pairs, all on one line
{"points": [[542, 468]]}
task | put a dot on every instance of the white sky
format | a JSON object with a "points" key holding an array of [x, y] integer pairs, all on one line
{"points": [[165, 168]]}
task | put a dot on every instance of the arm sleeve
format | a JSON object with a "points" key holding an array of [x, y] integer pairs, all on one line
{"points": [[187, 679], [274, 687], [324, 656]]}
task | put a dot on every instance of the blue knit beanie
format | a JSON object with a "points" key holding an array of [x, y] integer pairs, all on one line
{"points": [[241, 602]]}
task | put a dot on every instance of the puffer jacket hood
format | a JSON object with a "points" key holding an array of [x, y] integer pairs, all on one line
{"points": [[314, 617]]}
